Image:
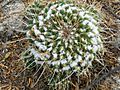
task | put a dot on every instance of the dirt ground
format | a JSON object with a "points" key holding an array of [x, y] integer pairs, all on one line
{"points": [[13, 42]]}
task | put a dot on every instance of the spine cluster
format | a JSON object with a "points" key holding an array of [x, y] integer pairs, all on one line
{"points": [[64, 36]]}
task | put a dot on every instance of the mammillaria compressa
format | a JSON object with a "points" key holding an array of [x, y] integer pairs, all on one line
{"points": [[65, 36]]}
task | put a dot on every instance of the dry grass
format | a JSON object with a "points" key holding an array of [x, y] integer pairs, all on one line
{"points": [[12, 76]]}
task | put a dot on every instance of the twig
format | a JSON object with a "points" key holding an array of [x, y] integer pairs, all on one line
{"points": [[111, 12], [95, 82], [9, 1], [39, 77], [10, 42]]}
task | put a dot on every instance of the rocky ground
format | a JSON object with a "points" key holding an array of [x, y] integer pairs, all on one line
{"points": [[13, 42]]}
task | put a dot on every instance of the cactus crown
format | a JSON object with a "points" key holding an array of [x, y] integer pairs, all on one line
{"points": [[63, 35]]}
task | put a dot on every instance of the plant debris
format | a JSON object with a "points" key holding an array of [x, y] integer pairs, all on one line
{"points": [[14, 76]]}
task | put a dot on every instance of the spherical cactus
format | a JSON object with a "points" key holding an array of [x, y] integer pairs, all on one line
{"points": [[65, 36]]}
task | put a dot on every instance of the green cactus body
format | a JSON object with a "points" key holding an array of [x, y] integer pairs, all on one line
{"points": [[64, 36]]}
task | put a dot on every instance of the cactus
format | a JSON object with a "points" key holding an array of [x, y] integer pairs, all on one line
{"points": [[64, 35]]}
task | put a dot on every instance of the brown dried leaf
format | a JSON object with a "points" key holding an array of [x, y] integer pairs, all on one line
{"points": [[7, 55], [2, 65], [53, 0], [30, 82]]}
